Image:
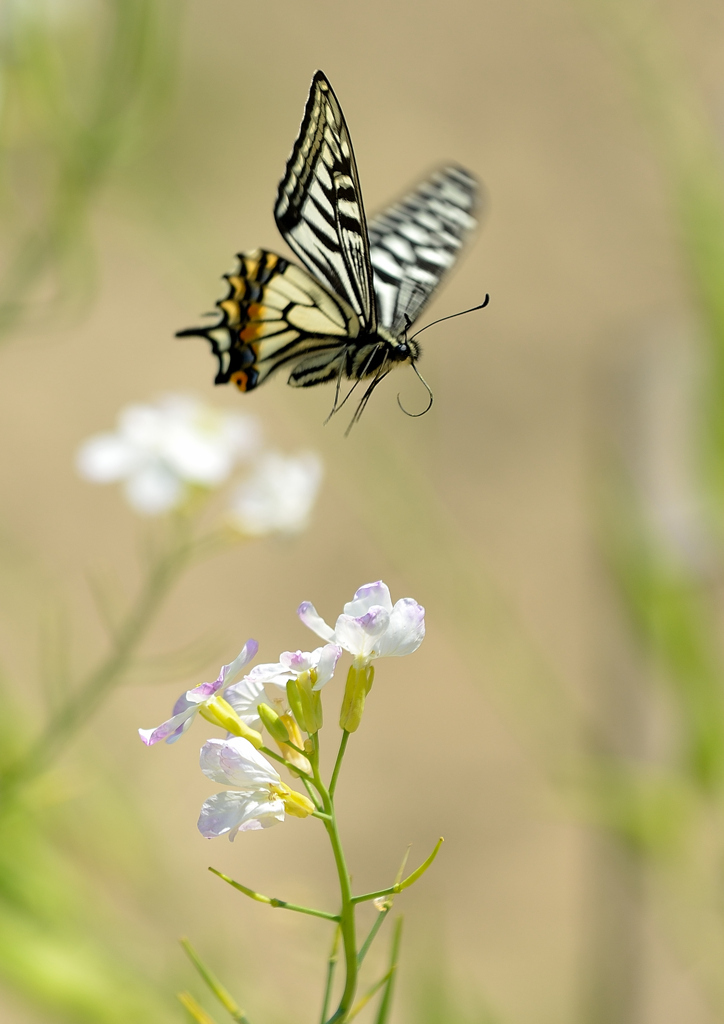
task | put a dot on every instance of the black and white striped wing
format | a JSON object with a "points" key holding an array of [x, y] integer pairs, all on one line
{"points": [[277, 315], [319, 207], [417, 240]]}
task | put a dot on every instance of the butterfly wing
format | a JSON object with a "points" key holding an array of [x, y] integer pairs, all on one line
{"points": [[417, 240], [319, 209], [276, 313]]}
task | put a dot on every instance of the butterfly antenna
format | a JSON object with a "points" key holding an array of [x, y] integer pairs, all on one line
{"points": [[462, 312], [415, 415]]}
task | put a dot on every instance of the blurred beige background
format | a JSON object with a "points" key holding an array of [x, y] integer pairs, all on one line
{"points": [[493, 487]]}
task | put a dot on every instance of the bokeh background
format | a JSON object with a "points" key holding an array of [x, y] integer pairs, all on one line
{"points": [[558, 512]]}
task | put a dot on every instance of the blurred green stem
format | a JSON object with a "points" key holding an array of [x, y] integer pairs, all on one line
{"points": [[165, 568]]}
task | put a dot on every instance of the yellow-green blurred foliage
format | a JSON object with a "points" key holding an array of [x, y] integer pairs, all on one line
{"points": [[558, 512]]}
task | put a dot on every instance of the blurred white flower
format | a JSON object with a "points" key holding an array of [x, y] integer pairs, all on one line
{"points": [[278, 495], [159, 449]]}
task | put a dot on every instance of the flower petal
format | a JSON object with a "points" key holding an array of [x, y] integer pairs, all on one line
{"points": [[359, 636], [106, 458], [247, 653], [368, 596], [153, 489], [314, 621], [328, 656], [235, 762], [171, 729], [233, 812], [405, 632]]}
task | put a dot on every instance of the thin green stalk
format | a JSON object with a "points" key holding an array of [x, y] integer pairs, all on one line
{"points": [[272, 901], [338, 762], [331, 967], [347, 911], [372, 934], [219, 990], [386, 1005]]}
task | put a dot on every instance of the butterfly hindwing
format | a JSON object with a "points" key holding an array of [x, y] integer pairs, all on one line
{"points": [[416, 241], [319, 208], [276, 313]]}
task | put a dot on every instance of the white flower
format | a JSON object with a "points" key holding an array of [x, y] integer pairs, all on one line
{"points": [[279, 495], [159, 449], [370, 626], [256, 803], [267, 683], [190, 703]]}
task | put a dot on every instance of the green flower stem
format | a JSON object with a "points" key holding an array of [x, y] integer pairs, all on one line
{"points": [[372, 934], [399, 886], [338, 763], [310, 792], [272, 901], [386, 1003], [287, 764], [347, 912], [373, 990], [221, 993], [194, 1009], [331, 968], [163, 573]]}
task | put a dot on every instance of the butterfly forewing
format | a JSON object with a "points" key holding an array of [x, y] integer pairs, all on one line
{"points": [[417, 240], [319, 208]]}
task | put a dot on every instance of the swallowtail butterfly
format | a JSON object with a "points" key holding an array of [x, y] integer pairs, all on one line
{"points": [[346, 314]]}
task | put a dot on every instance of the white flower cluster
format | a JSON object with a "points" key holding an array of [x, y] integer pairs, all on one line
{"points": [[160, 451], [284, 697]]}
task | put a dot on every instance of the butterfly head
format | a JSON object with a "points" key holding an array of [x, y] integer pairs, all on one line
{"points": [[406, 351]]}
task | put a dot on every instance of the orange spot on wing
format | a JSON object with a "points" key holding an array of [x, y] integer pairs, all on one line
{"points": [[240, 379], [250, 333]]}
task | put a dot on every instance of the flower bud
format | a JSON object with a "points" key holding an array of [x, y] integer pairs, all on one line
{"points": [[296, 804], [274, 725], [219, 712], [305, 702], [359, 684], [295, 737]]}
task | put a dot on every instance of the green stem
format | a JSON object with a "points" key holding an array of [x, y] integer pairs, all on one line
{"points": [[347, 912], [386, 1003], [331, 967], [83, 704], [271, 901], [338, 763], [371, 937]]}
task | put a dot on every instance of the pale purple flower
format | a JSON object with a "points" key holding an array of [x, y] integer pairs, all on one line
{"points": [[371, 626], [190, 703], [159, 449], [256, 802], [267, 683]]}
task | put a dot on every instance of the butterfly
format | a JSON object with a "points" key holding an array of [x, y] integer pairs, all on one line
{"points": [[346, 314]]}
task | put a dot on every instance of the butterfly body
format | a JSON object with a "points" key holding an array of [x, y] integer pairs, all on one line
{"points": [[345, 314]]}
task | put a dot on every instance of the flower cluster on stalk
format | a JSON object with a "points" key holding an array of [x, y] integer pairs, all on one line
{"points": [[162, 452], [281, 702]]}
